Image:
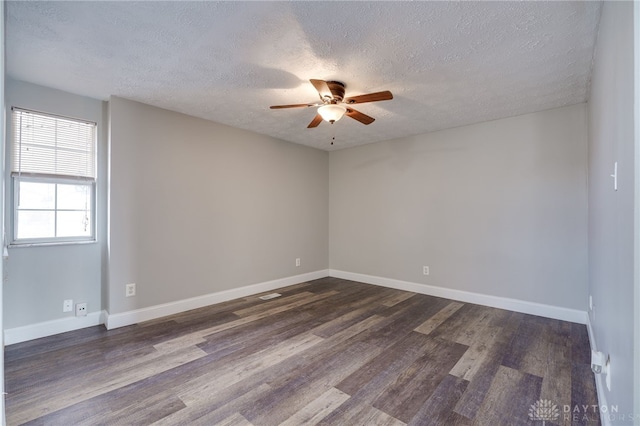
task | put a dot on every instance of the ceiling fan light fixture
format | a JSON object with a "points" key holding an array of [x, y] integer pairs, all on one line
{"points": [[332, 112]]}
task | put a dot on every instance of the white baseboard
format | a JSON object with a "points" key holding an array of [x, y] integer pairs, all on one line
{"points": [[592, 339], [49, 328], [532, 308], [159, 311], [111, 321], [600, 378]]}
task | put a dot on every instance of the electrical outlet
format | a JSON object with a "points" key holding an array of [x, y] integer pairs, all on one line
{"points": [[81, 309], [298, 261], [590, 303], [67, 305], [425, 270], [130, 290]]}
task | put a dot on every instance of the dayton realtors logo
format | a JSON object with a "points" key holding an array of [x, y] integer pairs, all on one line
{"points": [[544, 410]]}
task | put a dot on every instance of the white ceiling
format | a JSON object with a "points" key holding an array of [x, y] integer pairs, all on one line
{"points": [[447, 63]]}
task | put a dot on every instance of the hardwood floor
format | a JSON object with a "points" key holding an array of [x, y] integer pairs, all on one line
{"points": [[330, 352]]}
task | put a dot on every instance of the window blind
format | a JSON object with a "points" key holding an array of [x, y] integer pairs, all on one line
{"points": [[49, 145]]}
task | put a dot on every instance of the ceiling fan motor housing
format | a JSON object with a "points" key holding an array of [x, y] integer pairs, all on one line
{"points": [[337, 90]]}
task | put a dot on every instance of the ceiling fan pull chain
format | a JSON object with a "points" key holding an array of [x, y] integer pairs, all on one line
{"points": [[333, 133]]}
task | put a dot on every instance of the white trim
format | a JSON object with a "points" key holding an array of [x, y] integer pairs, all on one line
{"points": [[599, 378], [159, 311], [532, 308], [592, 338], [111, 321], [636, 203], [49, 328]]}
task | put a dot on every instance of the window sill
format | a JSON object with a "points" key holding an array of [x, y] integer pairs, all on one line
{"points": [[51, 244]]}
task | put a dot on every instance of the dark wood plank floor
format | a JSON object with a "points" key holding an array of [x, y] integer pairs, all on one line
{"points": [[331, 352]]}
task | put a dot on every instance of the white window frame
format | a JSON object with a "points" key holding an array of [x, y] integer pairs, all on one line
{"points": [[17, 176], [53, 180]]}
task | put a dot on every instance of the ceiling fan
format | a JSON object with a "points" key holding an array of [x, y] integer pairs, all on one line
{"points": [[333, 105]]}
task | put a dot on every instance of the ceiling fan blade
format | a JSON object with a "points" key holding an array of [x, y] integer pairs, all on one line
{"points": [[316, 120], [323, 89], [357, 115], [370, 97], [293, 106]]}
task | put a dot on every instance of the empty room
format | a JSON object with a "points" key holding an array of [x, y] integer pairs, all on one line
{"points": [[336, 213]]}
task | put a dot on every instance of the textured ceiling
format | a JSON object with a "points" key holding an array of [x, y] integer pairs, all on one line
{"points": [[447, 63]]}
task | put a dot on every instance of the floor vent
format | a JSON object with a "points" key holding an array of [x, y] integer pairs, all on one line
{"points": [[270, 296]]}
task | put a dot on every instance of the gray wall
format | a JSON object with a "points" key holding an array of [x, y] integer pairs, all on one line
{"points": [[198, 207], [38, 279], [611, 214], [496, 208]]}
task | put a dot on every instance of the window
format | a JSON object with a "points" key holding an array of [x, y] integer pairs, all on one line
{"points": [[53, 167]]}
